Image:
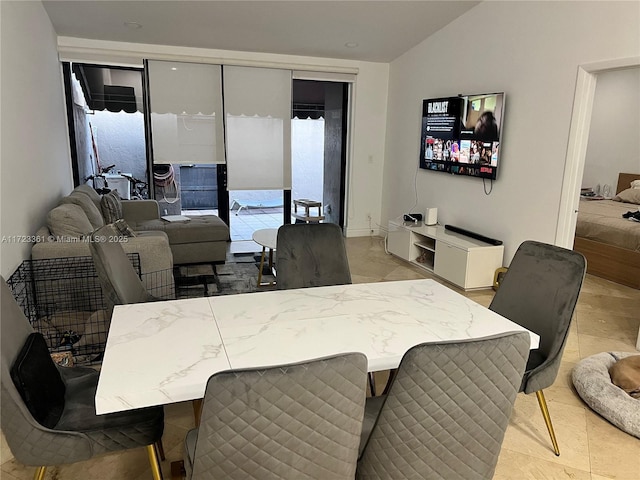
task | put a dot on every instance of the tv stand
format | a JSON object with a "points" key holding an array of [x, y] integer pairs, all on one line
{"points": [[462, 260]]}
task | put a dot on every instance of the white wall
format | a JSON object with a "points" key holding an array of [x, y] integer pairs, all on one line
{"points": [[531, 51], [35, 163], [365, 181], [121, 141], [369, 103], [614, 134]]}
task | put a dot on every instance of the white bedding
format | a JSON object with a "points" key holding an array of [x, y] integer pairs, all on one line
{"points": [[602, 221]]}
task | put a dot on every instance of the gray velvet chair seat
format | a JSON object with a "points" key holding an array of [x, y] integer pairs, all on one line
{"points": [[535, 360], [106, 431]]}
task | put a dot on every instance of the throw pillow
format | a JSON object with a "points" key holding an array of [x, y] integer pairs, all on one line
{"points": [[111, 206], [38, 381], [68, 221], [630, 195], [90, 192], [123, 228]]}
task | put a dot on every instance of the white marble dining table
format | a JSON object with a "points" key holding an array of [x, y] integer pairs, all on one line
{"points": [[163, 352]]}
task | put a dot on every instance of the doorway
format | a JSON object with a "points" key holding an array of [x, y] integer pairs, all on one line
{"points": [[319, 142], [105, 115], [577, 146], [318, 163]]}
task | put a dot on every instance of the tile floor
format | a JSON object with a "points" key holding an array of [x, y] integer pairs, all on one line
{"points": [[591, 449]]}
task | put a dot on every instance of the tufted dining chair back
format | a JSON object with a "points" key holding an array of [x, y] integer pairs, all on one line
{"points": [[446, 412], [298, 421]]}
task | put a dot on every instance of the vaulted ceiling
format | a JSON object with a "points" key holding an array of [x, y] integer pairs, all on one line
{"points": [[377, 31]]}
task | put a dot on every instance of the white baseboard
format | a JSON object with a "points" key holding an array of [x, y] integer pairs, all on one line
{"points": [[362, 232]]}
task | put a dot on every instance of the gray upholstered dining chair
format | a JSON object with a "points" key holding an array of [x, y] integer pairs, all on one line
{"points": [[539, 291], [120, 283], [311, 255], [446, 412], [298, 421], [48, 412]]}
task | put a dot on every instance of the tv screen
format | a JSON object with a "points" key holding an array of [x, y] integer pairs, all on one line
{"points": [[461, 135]]}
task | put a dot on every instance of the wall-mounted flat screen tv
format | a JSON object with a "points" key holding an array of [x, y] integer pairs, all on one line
{"points": [[461, 135]]}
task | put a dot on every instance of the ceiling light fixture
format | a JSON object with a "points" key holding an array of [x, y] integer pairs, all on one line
{"points": [[132, 25], [351, 44]]}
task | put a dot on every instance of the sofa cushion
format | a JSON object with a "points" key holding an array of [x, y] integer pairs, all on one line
{"points": [[90, 192], [201, 228], [38, 381], [68, 220], [91, 211], [111, 206]]}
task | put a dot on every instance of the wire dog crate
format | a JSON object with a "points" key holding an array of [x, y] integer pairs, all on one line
{"points": [[63, 300]]}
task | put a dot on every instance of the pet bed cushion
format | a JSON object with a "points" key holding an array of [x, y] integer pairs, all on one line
{"points": [[593, 383]]}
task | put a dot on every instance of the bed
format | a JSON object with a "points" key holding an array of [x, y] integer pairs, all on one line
{"points": [[611, 243]]}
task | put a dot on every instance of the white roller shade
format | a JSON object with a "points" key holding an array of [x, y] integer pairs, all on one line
{"points": [[186, 112], [324, 76], [257, 104]]}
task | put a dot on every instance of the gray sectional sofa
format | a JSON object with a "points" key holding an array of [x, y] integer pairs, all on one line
{"points": [[159, 244]]}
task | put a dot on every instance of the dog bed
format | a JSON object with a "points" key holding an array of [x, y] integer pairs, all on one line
{"points": [[593, 383]]}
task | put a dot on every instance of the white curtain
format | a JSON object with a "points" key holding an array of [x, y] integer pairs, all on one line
{"points": [[186, 112], [257, 104]]}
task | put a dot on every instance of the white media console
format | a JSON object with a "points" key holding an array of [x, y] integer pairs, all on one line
{"points": [[461, 260]]}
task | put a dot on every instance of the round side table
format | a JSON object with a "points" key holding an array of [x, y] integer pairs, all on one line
{"points": [[267, 238]]}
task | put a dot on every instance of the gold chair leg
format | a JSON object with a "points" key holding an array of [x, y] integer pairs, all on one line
{"points": [[39, 475], [155, 462], [547, 419]]}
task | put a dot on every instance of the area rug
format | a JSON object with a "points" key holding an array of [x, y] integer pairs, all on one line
{"points": [[239, 274]]}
